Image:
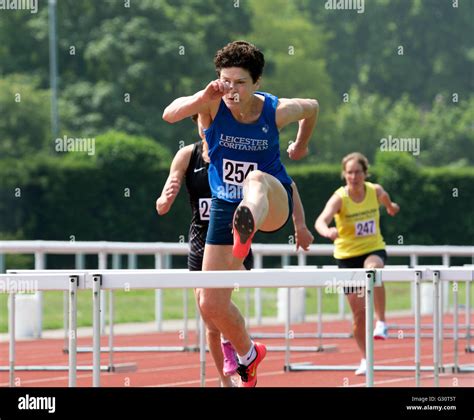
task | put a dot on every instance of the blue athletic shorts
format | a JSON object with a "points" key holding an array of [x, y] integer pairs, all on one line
{"points": [[222, 214]]}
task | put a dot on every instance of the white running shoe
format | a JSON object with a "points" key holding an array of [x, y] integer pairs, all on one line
{"points": [[380, 331], [362, 368]]}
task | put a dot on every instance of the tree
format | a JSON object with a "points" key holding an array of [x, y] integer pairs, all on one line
{"points": [[418, 47], [24, 123], [295, 51], [357, 125]]}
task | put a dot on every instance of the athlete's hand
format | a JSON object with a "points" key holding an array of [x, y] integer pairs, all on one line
{"points": [[393, 209], [304, 238], [171, 190], [332, 234], [215, 90], [296, 151]]}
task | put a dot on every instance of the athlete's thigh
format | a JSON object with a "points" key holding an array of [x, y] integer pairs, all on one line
{"points": [[219, 257], [278, 207]]}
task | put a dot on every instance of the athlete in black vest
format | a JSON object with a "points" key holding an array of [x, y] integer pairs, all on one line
{"points": [[199, 192]]}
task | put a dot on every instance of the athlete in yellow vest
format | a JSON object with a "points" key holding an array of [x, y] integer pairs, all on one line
{"points": [[357, 238]]}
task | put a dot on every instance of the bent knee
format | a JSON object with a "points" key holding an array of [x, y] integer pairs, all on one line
{"points": [[256, 175], [210, 308], [373, 261]]}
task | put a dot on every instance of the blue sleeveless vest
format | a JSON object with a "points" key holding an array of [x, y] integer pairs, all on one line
{"points": [[235, 149]]}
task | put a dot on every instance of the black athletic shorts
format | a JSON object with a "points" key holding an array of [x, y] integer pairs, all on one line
{"points": [[358, 262]]}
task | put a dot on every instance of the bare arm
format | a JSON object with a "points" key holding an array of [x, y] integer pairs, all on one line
{"points": [[304, 237], [332, 207], [306, 112], [384, 199], [175, 178], [199, 103]]}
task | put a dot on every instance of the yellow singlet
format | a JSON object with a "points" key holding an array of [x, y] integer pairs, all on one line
{"points": [[358, 225]]}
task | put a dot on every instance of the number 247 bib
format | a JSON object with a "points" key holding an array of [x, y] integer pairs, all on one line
{"points": [[365, 228]]}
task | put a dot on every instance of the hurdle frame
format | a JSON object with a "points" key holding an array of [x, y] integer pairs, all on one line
{"points": [[160, 263], [106, 279], [97, 280], [436, 275], [111, 367], [46, 282]]}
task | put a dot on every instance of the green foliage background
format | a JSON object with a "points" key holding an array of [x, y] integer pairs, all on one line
{"points": [[120, 66]]}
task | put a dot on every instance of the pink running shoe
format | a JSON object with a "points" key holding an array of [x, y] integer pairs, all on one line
{"points": [[248, 374], [230, 359]]}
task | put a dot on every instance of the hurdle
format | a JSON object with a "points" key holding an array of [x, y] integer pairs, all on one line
{"points": [[469, 348], [318, 335], [151, 279], [44, 282], [454, 275], [97, 280], [111, 349], [160, 263], [415, 275], [102, 249], [111, 367], [443, 326]]}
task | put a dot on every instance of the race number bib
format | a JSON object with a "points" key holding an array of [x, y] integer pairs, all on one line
{"points": [[235, 172], [204, 208], [365, 228]]}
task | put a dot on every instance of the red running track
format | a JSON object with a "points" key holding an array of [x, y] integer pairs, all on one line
{"points": [[182, 369]]}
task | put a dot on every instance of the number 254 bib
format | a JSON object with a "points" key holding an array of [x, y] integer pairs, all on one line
{"points": [[235, 172]]}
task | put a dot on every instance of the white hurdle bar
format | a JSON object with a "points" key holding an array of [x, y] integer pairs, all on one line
{"points": [[163, 279], [44, 282]]}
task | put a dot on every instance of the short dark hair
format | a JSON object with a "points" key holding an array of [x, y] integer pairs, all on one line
{"points": [[240, 54]]}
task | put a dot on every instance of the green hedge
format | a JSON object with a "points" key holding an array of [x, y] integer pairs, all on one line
{"points": [[111, 196], [108, 196]]}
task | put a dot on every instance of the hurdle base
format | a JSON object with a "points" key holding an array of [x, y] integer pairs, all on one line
{"points": [[425, 335], [311, 367], [330, 348], [301, 335], [143, 349], [39, 368], [451, 368], [123, 367]]}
